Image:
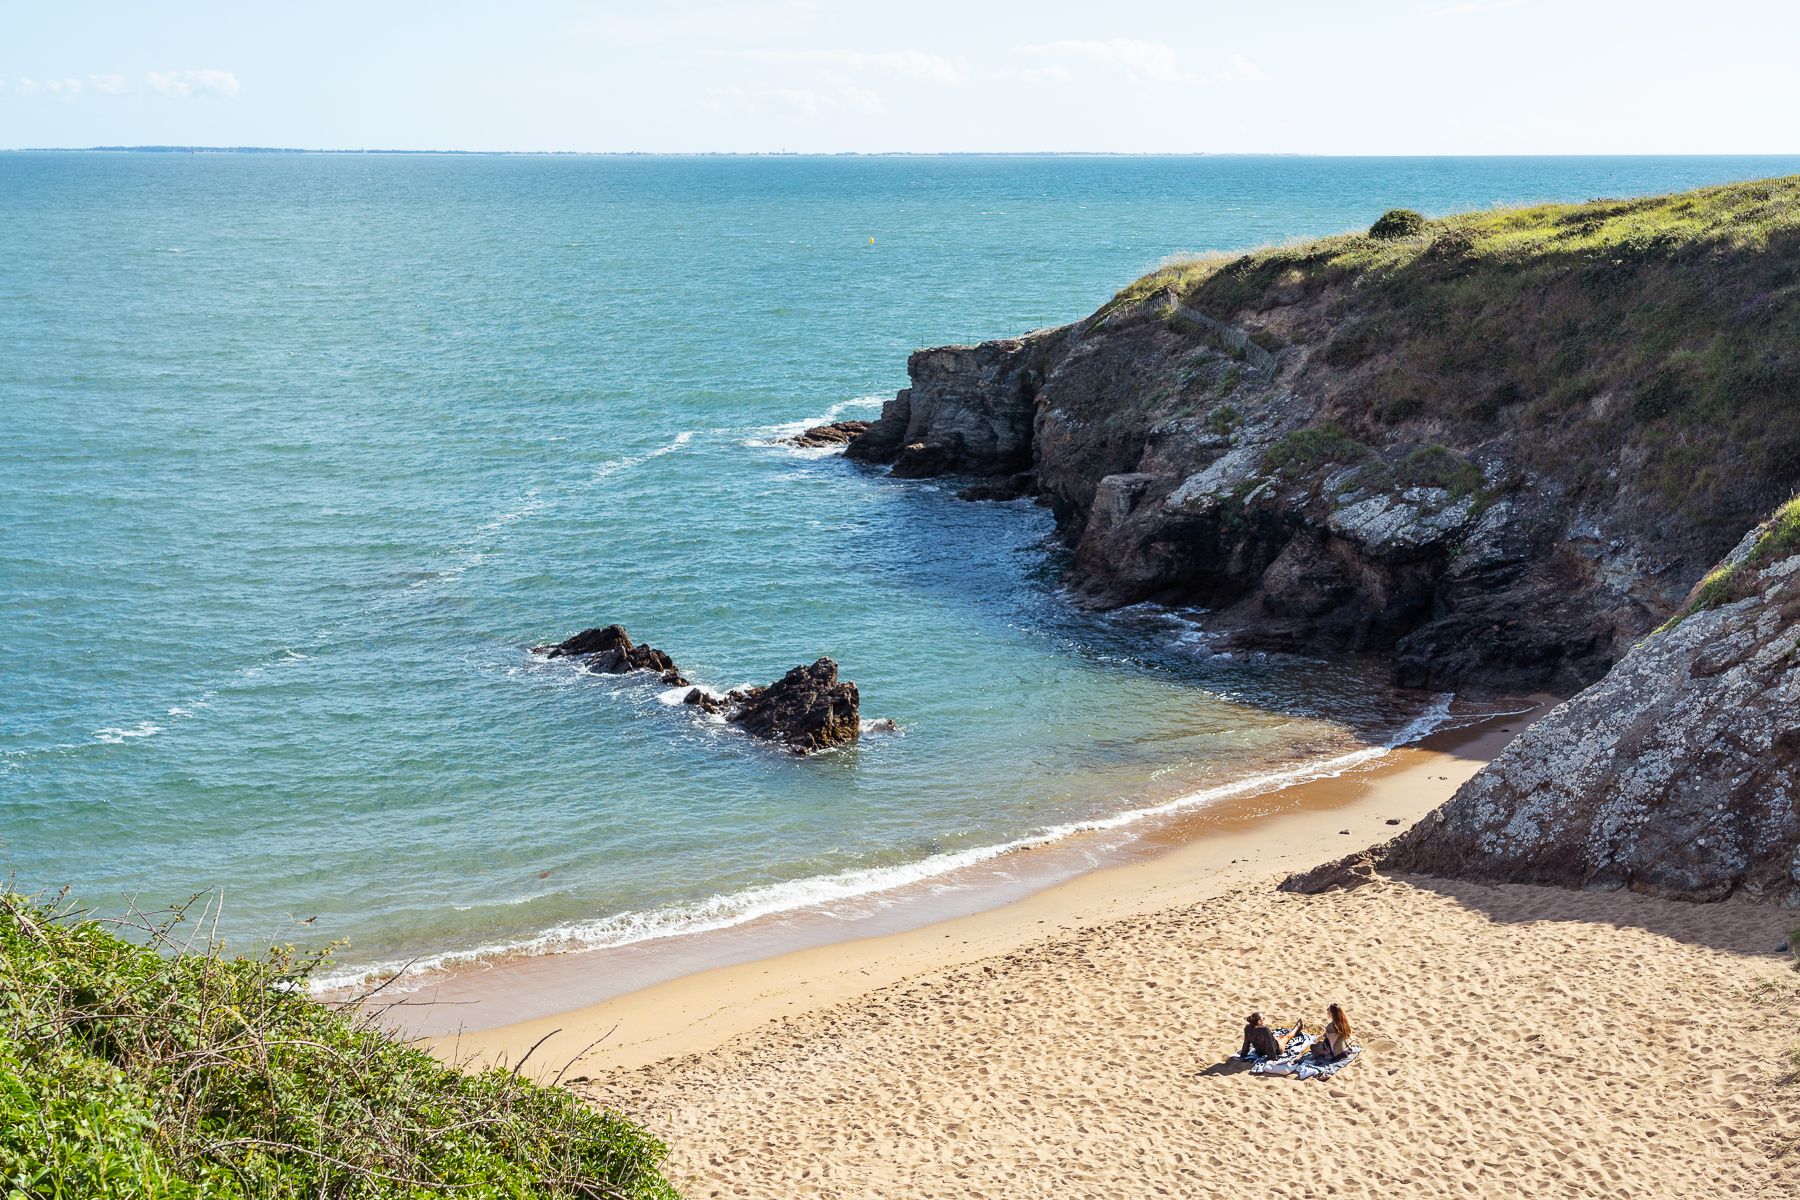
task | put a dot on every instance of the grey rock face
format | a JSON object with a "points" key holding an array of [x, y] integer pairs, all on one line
{"points": [[1674, 776], [969, 410]]}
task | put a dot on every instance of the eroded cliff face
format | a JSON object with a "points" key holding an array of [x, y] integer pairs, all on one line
{"points": [[1486, 555], [1674, 776]]}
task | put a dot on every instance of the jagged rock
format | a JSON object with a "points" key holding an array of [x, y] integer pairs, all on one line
{"points": [[1019, 486], [619, 660], [1344, 875], [807, 709], [837, 433], [970, 410], [588, 641], [927, 460], [609, 651], [1674, 776]]}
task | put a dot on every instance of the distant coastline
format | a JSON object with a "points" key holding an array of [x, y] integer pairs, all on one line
{"points": [[646, 153]]}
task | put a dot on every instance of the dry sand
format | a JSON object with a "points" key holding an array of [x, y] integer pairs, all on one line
{"points": [[1518, 1041]]}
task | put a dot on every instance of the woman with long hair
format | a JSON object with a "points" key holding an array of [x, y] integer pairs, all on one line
{"points": [[1335, 1041]]}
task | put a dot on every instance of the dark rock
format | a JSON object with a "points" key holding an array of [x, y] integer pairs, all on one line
{"points": [[885, 435], [1019, 486], [1346, 874], [588, 641], [970, 410], [837, 433], [927, 460], [807, 709], [619, 660], [609, 651]]}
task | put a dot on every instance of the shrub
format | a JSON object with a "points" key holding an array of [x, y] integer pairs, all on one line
{"points": [[1354, 343], [1224, 419], [1397, 223], [1305, 449], [131, 1071]]}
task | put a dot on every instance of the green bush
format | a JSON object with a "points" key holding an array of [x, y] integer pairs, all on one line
{"points": [[1304, 449], [145, 1071], [1398, 223]]}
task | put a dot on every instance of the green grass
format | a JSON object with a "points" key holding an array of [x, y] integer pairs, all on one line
{"points": [[1429, 466], [1304, 450], [143, 1070], [1728, 584], [1667, 322], [1224, 419]]}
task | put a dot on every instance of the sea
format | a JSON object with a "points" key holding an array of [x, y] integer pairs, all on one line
{"points": [[300, 453]]}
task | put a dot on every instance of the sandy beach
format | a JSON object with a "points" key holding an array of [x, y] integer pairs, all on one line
{"points": [[1517, 1040]]}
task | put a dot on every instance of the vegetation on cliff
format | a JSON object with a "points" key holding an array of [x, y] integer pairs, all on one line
{"points": [[1667, 323], [1737, 578], [154, 1071]]}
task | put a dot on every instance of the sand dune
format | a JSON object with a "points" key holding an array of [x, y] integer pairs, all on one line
{"points": [[1519, 1042]]}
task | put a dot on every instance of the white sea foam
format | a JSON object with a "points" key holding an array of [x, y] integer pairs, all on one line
{"points": [[607, 469], [818, 892], [143, 729], [774, 436]]}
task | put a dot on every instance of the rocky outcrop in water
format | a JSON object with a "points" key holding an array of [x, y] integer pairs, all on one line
{"points": [[970, 411], [1675, 776], [837, 433], [609, 651], [807, 709]]}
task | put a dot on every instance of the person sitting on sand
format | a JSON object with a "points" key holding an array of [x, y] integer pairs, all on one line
{"points": [[1260, 1040], [1334, 1043]]}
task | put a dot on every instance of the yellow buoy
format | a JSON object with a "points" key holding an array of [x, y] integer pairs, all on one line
{"points": [[871, 241]]}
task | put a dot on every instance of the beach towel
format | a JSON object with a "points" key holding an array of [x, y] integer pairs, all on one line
{"points": [[1298, 1061], [1281, 1035]]}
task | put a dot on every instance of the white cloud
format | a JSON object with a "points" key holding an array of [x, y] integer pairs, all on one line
{"points": [[1243, 68], [111, 85], [1473, 6], [50, 87], [909, 64], [864, 99], [194, 83], [1139, 60], [815, 102]]}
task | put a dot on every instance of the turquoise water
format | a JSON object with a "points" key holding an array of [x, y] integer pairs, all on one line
{"points": [[300, 452]]}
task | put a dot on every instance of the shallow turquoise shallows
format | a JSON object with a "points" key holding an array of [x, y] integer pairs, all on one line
{"points": [[301, 451]]}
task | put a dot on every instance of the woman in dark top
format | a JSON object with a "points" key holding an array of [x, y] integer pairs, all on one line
{"points": [[1259, 1039]]}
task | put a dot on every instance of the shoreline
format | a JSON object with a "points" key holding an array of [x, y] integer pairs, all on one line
{"points": [[768, 970]]}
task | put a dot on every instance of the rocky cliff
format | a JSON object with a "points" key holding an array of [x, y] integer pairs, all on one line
{"points": [[1499, 450], [1675, 776]]}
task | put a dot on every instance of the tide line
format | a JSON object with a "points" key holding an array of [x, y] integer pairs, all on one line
{"points": [[737, 908]]}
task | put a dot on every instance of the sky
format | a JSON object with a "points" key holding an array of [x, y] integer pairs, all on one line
{"points": [[820, 76]]}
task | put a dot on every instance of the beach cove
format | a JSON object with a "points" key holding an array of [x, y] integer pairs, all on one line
{"points": [[1529, 1041]]}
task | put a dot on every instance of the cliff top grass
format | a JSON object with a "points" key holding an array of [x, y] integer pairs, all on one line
{"points": [[144, 1069], [1778, 538], [1666, 322]]}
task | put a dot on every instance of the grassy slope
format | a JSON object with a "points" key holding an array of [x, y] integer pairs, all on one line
{"points": [[1662, 333], [125, 1072]]}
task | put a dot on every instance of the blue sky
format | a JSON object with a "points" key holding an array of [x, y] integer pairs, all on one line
{"points": [[1437, 77]]}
